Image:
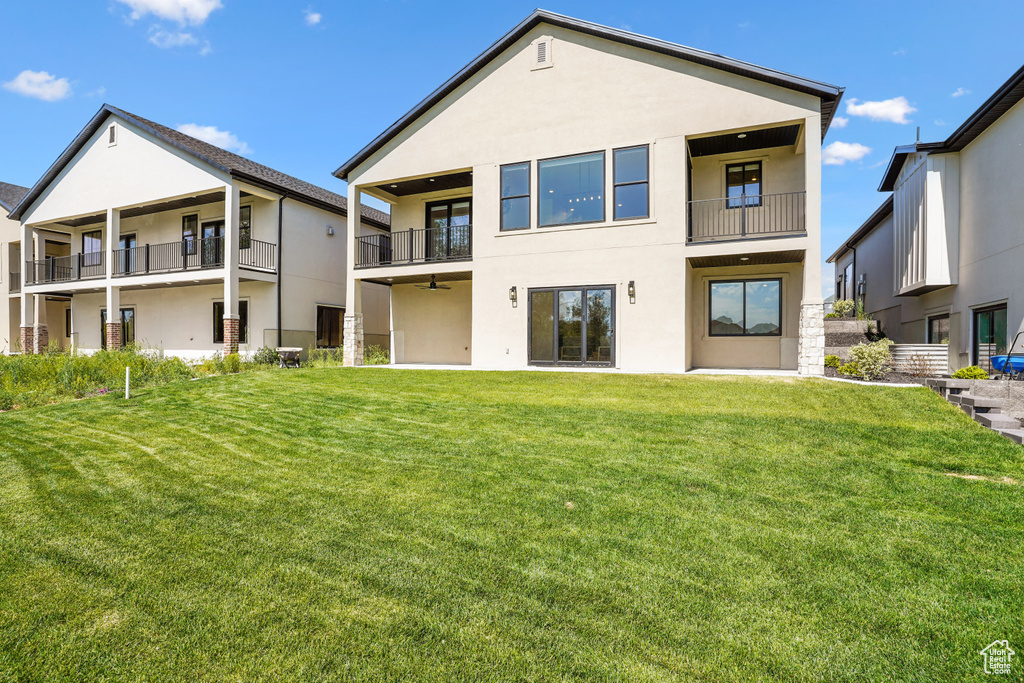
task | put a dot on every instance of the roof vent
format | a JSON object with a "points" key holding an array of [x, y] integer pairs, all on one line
{"points": [[112, 135], [542, 52]]}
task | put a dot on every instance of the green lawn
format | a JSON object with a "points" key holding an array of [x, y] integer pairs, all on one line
{"points": [[372, 524]]}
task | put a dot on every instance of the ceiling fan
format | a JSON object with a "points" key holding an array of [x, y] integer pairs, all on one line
{"points": [[433, 286]]}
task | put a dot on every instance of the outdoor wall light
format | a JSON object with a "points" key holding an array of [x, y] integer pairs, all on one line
{"points": [[631, 290], [513, 295]]}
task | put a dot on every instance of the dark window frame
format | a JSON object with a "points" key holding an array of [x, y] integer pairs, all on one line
{"points": [[89, 258], [190, 242], [527, 196], [928, 327], [67, 323], [218, 322], [975, 344], [760, 184], [341, 326], [604, 200], [583, 327], [245, 231], [428, 246], [103, 325], [744, 282], [87, 233], [646, 182]]}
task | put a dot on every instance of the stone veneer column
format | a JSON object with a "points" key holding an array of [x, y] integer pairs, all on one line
{"points": [[114, 336], [353, 340], [230, 334], [811, 346], [27, 345]]}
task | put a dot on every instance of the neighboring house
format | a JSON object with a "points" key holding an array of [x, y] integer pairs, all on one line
{"points": [[10, 272], [195, 250], [584, 196], [940, 261]]}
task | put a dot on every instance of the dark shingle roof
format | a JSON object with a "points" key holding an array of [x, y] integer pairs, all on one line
{"points": [[828, 94], [10, 195], [233, 164]]}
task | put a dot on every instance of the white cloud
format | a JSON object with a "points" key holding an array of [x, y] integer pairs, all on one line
{"points": [[960, 92], [166, 39], [215, 136], [193, 12], [312, 18], [98, 92], [940, 123], [900, 52], [205, 49], [840, 122], [838, 153], [894, 110], [41, 85]]}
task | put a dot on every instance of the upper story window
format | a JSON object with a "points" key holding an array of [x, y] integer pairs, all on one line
{"points": [[515, 196], [631, 183], [571, 189], [189, 233], [743, 184], [449, 229], [244, 227], [92, 248]]}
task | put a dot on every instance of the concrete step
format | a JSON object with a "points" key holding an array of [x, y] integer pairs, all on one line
{"points": [[996, 421], [1016, 435], [956, 398], [976, 402]]}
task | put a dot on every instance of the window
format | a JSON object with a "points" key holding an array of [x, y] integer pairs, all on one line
{"points": [[631, 188], [218, 322], [572, 189], [938, 329], [745, 308], [848, 281], [989, 335], [92, 248], [743, 184], [189, 234], [449, 224], [515, 196], [572, 326], [244, 227], [67, 323], [127, 327], [328, 326]]}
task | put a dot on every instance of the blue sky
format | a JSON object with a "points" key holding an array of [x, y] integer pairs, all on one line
{"points": [[301, 86]]}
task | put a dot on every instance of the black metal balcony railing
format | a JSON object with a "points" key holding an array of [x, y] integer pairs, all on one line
{"points": [[427, 245], [747, 217], [258, 255], [65, 268], [15, 281]]}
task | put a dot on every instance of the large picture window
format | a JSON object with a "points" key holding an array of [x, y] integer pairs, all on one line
{"points": [[631, 183], [745, 308], [328, 326], [743, 184], [515, 196], [218, 322], [571, 189]]}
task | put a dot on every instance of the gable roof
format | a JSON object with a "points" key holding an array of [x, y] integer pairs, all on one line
{"points": [[234, 165], [873, 221], [829, 94], [1008, 94], [10, 195]]}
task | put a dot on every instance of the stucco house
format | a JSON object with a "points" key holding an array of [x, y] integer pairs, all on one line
{"points": [[10, 270], [940, 261], [584, 196], [195, 250]]}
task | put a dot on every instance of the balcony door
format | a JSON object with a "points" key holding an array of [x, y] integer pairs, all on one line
{"points": [[126, 254], [213, 244], [572, 326], [448, 229]]}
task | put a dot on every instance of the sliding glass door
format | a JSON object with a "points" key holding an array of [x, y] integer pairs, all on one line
{"points": [[989, 335], [572, 326]]}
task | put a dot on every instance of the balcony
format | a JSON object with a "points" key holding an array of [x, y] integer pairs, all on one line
{"points": [[153, 259], [428, 245], [747, 217]]}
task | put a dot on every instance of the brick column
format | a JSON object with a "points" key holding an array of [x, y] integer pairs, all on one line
{"points": [[42, 338], [113, 336], [27, 345], [811, 345], [353, 339], [230, 334]]}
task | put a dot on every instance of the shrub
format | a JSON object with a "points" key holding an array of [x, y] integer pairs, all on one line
{"points": [[861, 315], [266, 356], [232, 363], [833, 361], [376, 355], [873, 360], [842, 307], [849, 369], [833, 315], [970, 372]]}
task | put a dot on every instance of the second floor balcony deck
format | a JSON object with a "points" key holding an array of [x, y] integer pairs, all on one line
{"points": [[744, 217], [427, 245]]}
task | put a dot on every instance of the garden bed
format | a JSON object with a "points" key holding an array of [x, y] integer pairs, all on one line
{"points": [[890, 377]]}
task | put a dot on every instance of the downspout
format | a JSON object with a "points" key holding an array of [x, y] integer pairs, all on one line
{"points": [[849, 245], [280, 245]]}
